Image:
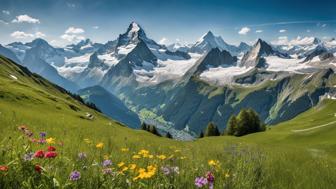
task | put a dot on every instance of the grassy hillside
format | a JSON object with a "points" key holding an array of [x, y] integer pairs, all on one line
{"points": [[285, 156]]}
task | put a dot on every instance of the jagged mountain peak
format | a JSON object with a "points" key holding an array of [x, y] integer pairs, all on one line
{"points": [[38, 42]]}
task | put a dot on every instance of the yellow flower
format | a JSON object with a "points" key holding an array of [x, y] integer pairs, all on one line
{"points": [[213, 162], [136, 157], [106, 156], [143, 152], [124, 149], [183, 157], [121, 164], [162, 157], [132, 166], [176, 151], [100, 145], [124, 169], [146, 174], [50, 140]]}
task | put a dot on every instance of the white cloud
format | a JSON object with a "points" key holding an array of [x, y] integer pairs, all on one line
{"points": [[95, 27], [283, 40], [244, 30], [73, 34], [25, 18], [323, 25], [163, 41], [282, 31], [6, 12], [39, 34], [259, 31], [72, 38], [23, 35], [74, 30]]}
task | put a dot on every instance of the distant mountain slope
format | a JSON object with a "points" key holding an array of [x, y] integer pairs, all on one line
{"points": [[110, 105], [8, 53]]}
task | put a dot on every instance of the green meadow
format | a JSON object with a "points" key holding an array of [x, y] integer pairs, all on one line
{"points": [[299, 153]]}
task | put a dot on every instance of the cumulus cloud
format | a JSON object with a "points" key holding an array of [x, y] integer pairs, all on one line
{"points": [[283, 40], [282, 31], [6, 12], [24, 35], [74, 30], [73, 34], [259, 31], [163, 41], [244, 30], [26, 18]]}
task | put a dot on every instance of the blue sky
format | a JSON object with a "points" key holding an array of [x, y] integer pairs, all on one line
{"points": [[66, 21]]}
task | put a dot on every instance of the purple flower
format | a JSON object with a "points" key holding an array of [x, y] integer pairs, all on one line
{"points": [[82, 155], [107, 163], [165, 170], [41, 141], [43, 134], [75, 175], [211, 180], [201, 181], [29, 156]]}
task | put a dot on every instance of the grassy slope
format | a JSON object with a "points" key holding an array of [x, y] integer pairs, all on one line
{"points": [[278, 158]]}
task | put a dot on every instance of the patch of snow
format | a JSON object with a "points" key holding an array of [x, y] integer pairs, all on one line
{"points": [[108, 59], [223, 75], [124, 50], [167, 69], [277, 64], [86, 46], [74, 65]]}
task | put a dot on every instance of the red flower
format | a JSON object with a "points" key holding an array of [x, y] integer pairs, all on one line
{"points": [[51, 148], [39, 154], [50, 155], [3, 168], [38, 168]]}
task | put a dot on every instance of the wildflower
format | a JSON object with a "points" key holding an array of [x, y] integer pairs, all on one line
{"points": [[38, 168], [136, 157], [213, 162], [121, 164], [107, 163], [28, 157], [39, 154], [124, 169], [50, 155], [82, 155], [145, 174], [143, 152], [107, 171], [162, 157], [100, 145], [51, 148], [43, 134], [3, 168], [41, 141], [75, 175], [170, 170], [132, 166], [176, 170], [124, 149], [210, 179], [200, 182], [50, 140], [183, 157]]}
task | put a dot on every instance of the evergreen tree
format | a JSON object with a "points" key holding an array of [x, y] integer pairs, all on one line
{"points": [[211, 130], [144, 126], [231, 125]]}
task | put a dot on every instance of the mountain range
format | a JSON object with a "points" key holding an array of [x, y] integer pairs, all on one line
{"points": [[186, 86]]}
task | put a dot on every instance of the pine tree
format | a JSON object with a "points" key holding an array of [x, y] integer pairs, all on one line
{"points": [[231, 125], [144, 126], [211, 130]]}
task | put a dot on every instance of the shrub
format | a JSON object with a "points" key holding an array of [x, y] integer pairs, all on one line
{"points": [[211, 130]]}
